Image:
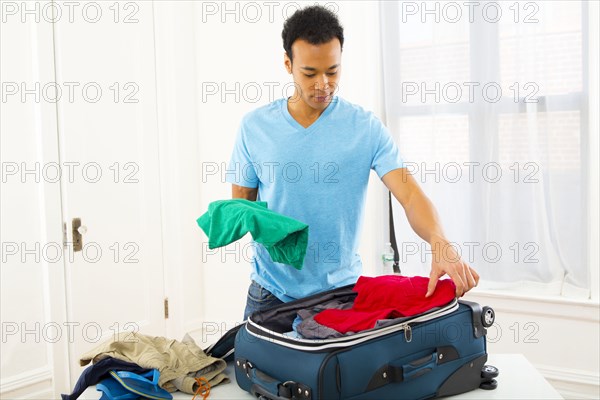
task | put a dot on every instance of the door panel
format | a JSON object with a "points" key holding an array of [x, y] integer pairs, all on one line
{"points": [[109, 153]]}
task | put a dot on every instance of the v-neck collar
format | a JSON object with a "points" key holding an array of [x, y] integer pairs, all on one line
{"points": [[296, 125]]}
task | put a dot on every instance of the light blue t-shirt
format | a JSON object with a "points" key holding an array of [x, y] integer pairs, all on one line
{"points": [[317, 175]]}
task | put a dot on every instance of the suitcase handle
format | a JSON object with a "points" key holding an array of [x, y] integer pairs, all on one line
{"points": [[419, 367], [266, 387], [390, 373]]}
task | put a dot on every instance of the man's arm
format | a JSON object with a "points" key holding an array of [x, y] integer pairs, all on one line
{"points": [[242, 192], [424, 220]]}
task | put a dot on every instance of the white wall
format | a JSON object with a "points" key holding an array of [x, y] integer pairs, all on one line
{"points": [[180, 165], [559, 337]]}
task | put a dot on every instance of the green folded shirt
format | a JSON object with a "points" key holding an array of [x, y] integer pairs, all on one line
{"points": [[284, 238]]}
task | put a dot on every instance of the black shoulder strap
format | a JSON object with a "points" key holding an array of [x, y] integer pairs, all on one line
{"points": [[393, 236]]}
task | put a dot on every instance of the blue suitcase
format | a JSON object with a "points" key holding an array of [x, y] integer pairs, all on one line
{"points": [[439, 353]]}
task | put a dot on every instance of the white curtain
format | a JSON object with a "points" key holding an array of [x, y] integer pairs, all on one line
{"points": [[487, 103]]}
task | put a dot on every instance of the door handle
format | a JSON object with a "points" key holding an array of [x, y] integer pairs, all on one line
{"points": [[78, 232]]}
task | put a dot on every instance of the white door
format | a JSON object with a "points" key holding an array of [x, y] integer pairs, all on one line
{"points": [[108, 138]]}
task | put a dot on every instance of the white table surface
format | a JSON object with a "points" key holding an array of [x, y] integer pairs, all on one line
{"points": [[518, 379]]}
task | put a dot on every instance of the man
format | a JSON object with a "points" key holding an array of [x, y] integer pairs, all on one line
{"points": [[309, 157]]}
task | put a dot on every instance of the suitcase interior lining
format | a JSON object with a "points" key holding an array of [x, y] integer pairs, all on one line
{"points": [[280, 318]]}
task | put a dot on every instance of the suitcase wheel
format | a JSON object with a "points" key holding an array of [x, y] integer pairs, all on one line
{"points": [[487, 316], [489, 372], [489, 385]]}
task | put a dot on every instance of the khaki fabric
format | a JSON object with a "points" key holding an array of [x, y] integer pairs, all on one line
{"points": [[178, 362]]}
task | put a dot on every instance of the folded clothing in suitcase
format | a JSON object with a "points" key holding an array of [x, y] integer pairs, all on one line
{"points": [[438, 353]]}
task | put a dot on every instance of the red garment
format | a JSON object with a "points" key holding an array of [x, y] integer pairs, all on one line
{"points": [[389, 296]]}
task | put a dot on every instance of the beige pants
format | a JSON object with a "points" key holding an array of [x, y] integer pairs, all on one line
{"points": [[178, 362]]}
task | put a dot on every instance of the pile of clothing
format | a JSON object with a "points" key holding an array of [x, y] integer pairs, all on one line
{"points": [[135, 366], [381, 301]]}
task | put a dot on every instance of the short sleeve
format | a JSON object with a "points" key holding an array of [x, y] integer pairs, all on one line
{"points": [[241, 170], [386, 156]]}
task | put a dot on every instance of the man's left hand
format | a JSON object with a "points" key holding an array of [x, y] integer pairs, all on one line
{"points": [[447, 261]]}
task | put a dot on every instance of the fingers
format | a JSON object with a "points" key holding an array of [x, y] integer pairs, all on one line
{"points": [[475, 275], [464, 277], [433, 278], [470, 279], [459, 282]]}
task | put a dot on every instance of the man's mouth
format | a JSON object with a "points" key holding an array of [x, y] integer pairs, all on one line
{"points": [[321, 98]]}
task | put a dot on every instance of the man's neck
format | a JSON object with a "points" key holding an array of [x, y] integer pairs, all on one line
{"points": [[302, 112]]}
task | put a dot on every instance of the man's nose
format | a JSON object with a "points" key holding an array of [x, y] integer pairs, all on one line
{"points": [[322, 83]]}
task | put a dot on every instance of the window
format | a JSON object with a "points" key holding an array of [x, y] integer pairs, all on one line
{"points": [[488, 107]]}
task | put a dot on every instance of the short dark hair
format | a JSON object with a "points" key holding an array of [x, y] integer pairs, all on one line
{"points": [[315, 24]]}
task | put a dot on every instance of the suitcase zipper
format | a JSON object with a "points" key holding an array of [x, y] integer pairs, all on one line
{"points": [[408, 333], [345, 341]]}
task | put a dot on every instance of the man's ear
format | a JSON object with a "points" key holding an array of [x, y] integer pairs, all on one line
{"points": [[287, 62]]}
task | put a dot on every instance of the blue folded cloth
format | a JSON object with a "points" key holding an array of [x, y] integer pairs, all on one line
{"points": [[99, 371], [142, 385]]}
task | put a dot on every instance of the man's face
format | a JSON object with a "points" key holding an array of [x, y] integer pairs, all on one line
{"points": [[316, 70]]}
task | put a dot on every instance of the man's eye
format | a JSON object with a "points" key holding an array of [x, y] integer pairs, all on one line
{"points": [[313, 75]]}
